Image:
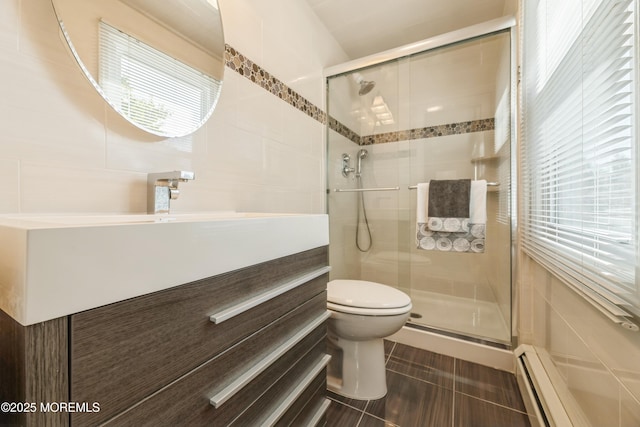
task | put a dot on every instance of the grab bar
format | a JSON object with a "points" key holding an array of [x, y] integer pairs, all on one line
{"points": [[358, 190], [244, 379], [489, 184]]}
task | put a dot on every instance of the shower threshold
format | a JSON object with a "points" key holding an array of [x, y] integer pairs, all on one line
{"points": [[457, 335], [476, 320]]}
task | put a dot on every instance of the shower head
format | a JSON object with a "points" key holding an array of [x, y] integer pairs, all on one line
{"points": [[362, 153], [366, 87]]}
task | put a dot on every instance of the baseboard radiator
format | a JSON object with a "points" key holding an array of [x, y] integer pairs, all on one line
{"points": [[538, 394]]}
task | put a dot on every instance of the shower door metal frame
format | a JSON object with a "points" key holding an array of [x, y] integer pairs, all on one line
{"points": [[463, 34]]}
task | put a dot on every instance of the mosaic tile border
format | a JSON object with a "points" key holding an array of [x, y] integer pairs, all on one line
{"points": [[249, 69], [418, 133], [344, 131], [430, 132]]}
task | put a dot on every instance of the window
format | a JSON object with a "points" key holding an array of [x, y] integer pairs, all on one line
{"points": [[580, 215], [153, 90]]}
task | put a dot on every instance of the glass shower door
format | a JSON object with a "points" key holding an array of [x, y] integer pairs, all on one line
{"points": [[461, 114], [440, 114]]}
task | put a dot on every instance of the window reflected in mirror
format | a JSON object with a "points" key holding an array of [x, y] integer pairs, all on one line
{"points": [[159, 64], [151, 89]]}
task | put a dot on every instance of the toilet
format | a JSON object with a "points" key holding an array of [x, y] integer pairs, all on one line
{"points": [[362, 314]]}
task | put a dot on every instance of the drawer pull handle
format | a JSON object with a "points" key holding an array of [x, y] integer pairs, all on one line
{"points": [[296, 392], [317, 416], [244, 379], [237, 309]]}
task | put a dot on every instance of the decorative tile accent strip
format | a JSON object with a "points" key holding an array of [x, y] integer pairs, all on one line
{"points": [[430, 132], [344, 131], [245, 67]]}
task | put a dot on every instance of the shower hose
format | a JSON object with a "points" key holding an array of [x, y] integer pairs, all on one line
{"points": [[366, 221]]}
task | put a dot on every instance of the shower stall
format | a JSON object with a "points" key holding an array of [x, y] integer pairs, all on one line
{"points": [[398, 119]]}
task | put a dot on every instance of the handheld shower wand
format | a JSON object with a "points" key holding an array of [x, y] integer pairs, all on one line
{"points": [[361, 155], [358, 174]]}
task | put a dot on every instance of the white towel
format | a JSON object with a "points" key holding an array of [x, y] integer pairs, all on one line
{"points": [[478, 202], [423, 202], [471, 241]]}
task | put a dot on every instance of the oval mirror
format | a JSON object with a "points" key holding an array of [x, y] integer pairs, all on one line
{"points": [[160, 64]]}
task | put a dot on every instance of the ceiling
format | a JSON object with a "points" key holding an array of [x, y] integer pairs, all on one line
{"points": [[365, 27]]}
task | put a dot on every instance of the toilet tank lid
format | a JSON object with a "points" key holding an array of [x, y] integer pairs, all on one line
{"points": [[360, 293]]}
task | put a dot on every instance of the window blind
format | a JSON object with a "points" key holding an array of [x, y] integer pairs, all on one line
{"points": [[153, 90], [579, 155]]}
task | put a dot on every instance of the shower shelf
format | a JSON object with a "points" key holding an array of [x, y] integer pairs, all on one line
{"points": [[360, 190], [484, 159]]}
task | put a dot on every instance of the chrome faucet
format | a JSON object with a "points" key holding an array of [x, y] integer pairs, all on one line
{"points": [[163, 187], [346, 165]]}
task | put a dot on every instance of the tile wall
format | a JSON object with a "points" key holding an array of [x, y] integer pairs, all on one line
{"points": [[62, 150], [593, 362]]}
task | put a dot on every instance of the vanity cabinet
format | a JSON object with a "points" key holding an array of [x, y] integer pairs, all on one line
{"points": [[242, 348]]}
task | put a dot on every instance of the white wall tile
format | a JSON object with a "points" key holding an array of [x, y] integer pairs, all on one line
{"points": [[46, 189], [55, 120], [10, 178], [243, 27], [597, 358], [9, 26], [39, 35], [290, 28], [629, 409], [257, 152]]}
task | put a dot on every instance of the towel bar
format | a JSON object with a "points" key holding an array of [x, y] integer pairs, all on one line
{"points": [[357, 190], [489, 184]]}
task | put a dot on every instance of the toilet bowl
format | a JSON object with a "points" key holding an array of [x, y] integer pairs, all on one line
{"points": [[362, 314]]}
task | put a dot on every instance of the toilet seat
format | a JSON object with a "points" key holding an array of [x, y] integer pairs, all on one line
{"points": [[366, 298]]}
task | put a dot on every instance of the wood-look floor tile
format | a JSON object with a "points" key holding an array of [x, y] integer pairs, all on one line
{"points": [[488, 384], [423, 357], [424, 373], [357, 404], [369, 421], [429, 367], [388, 347], [411, 402], [339, 415], [472, 412]]}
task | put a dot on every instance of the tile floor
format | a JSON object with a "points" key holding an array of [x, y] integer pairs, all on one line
{"points": [[426, 389]]}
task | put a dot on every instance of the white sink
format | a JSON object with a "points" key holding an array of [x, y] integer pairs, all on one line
{"points": [[49, 221], [56, 265]]}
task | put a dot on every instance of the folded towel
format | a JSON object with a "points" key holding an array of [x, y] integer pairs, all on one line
{"points": [[422, 190], [470, 238], [478, 202], [449, 202], [449, 198]]}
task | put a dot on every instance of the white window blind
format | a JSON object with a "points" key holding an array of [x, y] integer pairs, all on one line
{"points": [[153, 90], [579, 151]]}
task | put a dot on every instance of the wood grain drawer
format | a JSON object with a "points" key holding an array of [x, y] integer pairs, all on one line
{"points": [[187, 401], [282, 404], [124, 352], [310, 409]]}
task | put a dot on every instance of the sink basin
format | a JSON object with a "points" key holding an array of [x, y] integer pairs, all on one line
{"points": [[56, 265], [48, 221]]}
